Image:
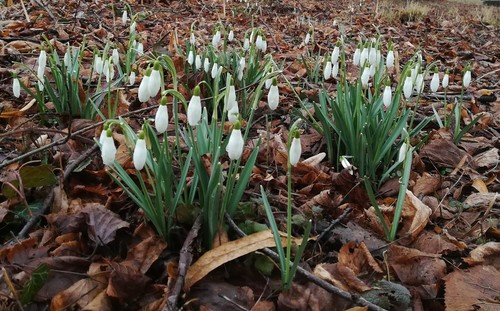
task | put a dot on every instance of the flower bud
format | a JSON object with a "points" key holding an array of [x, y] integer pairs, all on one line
{"points": [[140, 153], [108, 149], [387, 97], [16, 86], [435, 81], [295, 149], [235, 144], [161, 117], [273, 96], [194, 108]]}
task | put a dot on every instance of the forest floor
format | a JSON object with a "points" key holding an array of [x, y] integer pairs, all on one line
{"points": [[72, 239]]}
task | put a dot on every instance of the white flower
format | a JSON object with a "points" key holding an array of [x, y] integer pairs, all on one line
{"points": [[116, 57], [108, 149], [194, 108], [241, 67], [246, 44], [364, 56], [109, 70], [190, 57], [378, 57], [216, 39], [307, 38], [435, 82], [372, 70], [131, 78], [408, 87], [67, 58], [295, 151], [143, 92], [263, 47], [258, 42], [419, 83], [154, 82], [235, 144], [390, 59], [232, 114], [140, 154], [192, 39], [140, 48], [335, 70], [16, 87], [467, 78], [414, 72], [206, 64], [446, 79], [372, 55], [335, 54], [273, 96], [215, 68], [98, 64], [365, 76], [230, 36], [327, 71], [42, 62], [344, 162], [132, 27], [231, 98], [387, 97], [402, 152], [103, 135], [197, 62], [356, 57], [161, 117], [124, 17]]}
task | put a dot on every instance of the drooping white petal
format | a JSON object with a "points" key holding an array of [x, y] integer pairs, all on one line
{"points": [[143, 92], [307, 38], [230, 36], [467, 78], [154, 83], [335, 70], [16, 87], [232, 114], [273, 97], [116, 57], [387, 97], [161, 119], [197, 62], [67, 58], [194, 110], [246, 44], [108, 150], [365, 76], [446, 79], [98, 64], [435, 82], [235, 145], [140, 154], [335, 54], [344, 162], [206, 64], [408, 87], [215, 68], [390, 59], [124, 17], [191, 57], [419, 83], [402, 152], [356, 57], [192, 39], [231, 98], [295, 151], [131, 78], [327, 71]]}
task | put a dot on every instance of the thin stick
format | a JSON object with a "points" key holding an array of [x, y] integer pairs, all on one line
{"points": [[25, 12]]}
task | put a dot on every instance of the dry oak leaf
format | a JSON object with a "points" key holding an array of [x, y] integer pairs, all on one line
{"points": [[358, 258], [486, 254], [474, 289], [83, 293], [442, 152], [340, 276], [227, 252]]}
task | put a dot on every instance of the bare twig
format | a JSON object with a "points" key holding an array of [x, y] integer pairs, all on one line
{"points": [[311, 277], [185, 258]]}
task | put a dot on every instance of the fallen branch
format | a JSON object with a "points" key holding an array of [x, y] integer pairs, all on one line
{"points": [[185, 259], [311, 277]]}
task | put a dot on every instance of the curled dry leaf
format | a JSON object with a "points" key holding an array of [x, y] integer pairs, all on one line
{"points": [[427, 184], [358, 258], [341, 276], [486, 254]]}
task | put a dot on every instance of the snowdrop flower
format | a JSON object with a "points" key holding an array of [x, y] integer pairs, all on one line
{"points": [[16, 86], [307, 38], [335, 70], [103, 133], [215, 68], [98, 64], [241, 67], [387, 97], [336, 53], [109, 70], [154, 83], [132, 27], [345, 164], [42, 63], [216, 39], [435, 80], [373, 69], [414, 72], [372, 54], [327, 70], [364, 55], [230, 36], [273, 96], [467, 77], [108, 149], [124, 17], [268, 82], [190, 57], [192, 39], [67, 58], [233, 113], [143, 92], [197, 62], [140, 152], [357, 55], [131, 78], [235, 144], [390, 59], [365, 76], [140, 48], [206, 64], [446, 79], [402, 152], [378, 57], [161, 117], [258, 42], [246, 44], [408, 86], [264, 45], [194, 108], [231, 97], [295, 148], [419, 82], [116, 57]]}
